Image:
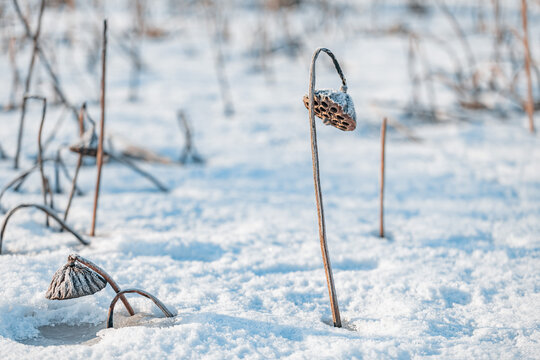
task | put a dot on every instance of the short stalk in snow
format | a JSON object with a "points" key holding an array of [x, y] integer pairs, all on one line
{"points": [[381, 195], [156, 301]]}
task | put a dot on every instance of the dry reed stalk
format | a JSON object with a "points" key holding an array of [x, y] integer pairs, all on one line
{"points": [[60, 280], [18, 181], [102, 127], [316, 176], [123, 160], [50, 212], [35, 39], [529, 105], [16, 79], [79, 162], [156, 301], [381, 196], [44, 181], [188, 152]]}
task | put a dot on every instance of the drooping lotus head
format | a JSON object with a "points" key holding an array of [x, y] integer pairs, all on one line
{"points": [[74, 280], [334, 107]]}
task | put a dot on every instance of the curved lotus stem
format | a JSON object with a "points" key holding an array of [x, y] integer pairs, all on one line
{"points": [[46, 210], [316, 178], [107, 277], [156, 301]]}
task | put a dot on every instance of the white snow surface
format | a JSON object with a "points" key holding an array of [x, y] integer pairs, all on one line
{"points": [[233, 248]]}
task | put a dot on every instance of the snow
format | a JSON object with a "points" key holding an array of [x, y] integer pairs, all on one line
{"points": [[233, 248]]}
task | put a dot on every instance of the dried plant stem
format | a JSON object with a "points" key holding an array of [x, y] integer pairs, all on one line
{"points": [[131, 165], [189, 149], [106, 276], [99, 159], [16, 79], [381, 197], [28, 81], [18, 180], [44, 181], [316, 178], [50, 212], [79, 162], [529, 105], [120, 294]]}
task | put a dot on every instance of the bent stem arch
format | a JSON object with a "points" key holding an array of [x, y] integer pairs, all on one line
{"points": [[316, 178], [46, 210], [119, 295], [107, 277]]}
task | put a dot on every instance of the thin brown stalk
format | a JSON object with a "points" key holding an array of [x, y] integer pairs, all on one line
{"points": [[79, 162], [156, 301], [107, 278], [18, 181], [40, 150], [529, 105], [50, 212], [381, 197], [189, 149], [316, 178], [16, 79], [99, 159]]}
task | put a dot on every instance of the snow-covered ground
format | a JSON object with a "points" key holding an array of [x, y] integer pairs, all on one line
{"points": [[233, 248]]}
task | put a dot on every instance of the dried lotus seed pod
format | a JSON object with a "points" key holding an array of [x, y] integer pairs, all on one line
{"points": [[335, 108], [74, 280]]}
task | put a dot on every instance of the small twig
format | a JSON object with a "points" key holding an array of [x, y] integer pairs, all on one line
{"points": [[40, 150], [102, 127], [188, 152], [50, 212], [57, 188], [529, 105], [156, 301], [131, 165], [381, 195], [16, 79], [19, 180]]}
